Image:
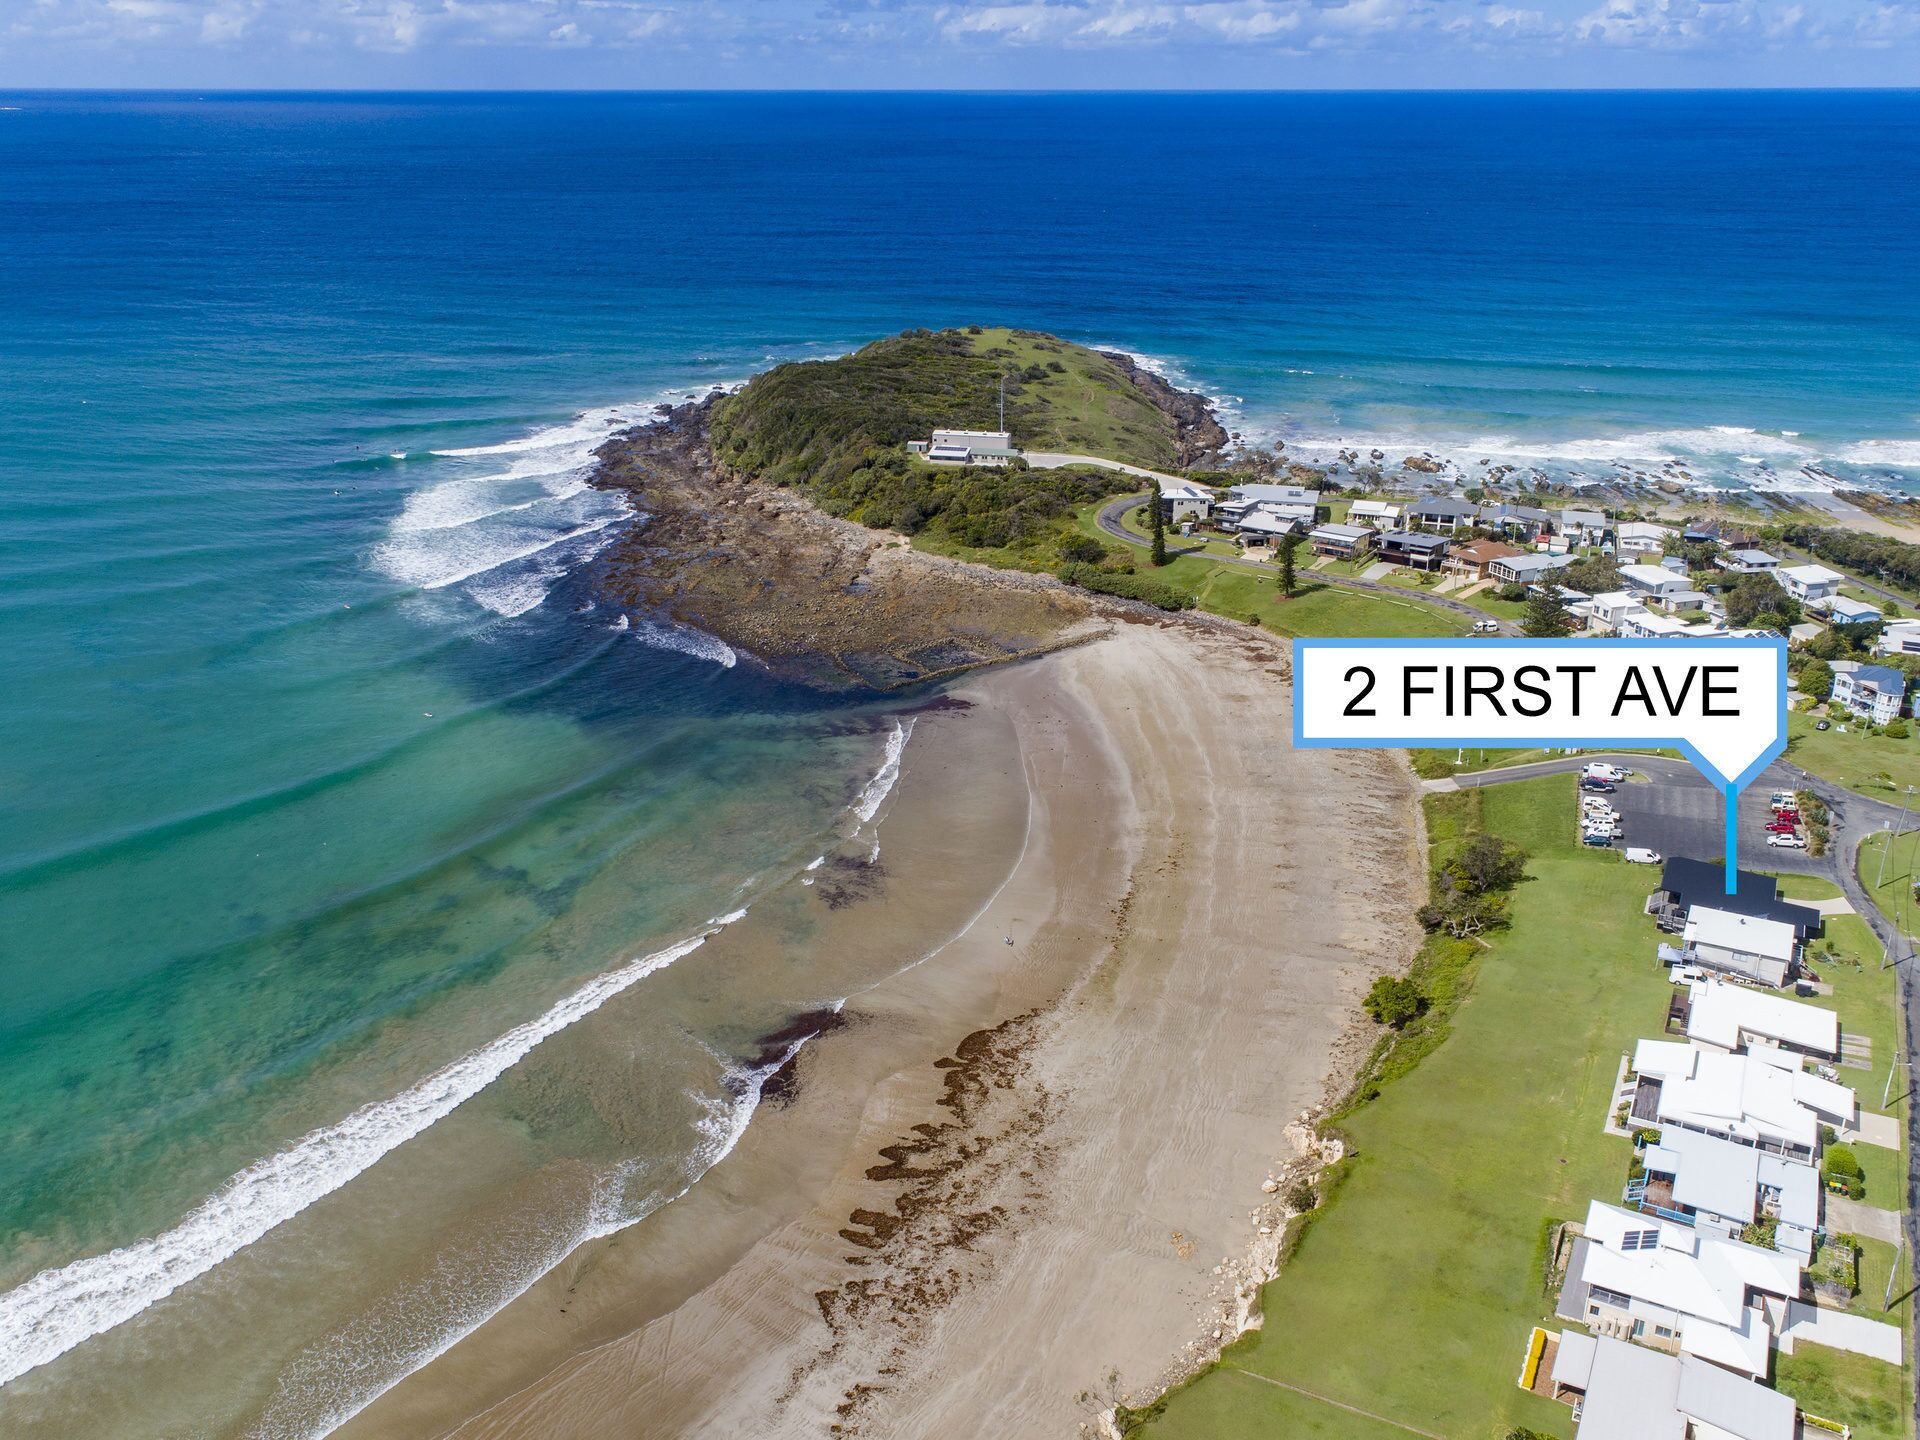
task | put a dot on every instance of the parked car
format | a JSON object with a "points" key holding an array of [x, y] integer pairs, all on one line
{"points": [[1784, 800], [1822, 725], [1486, 627], [1595, 787], [1595, 840], [1639, 855], [1600, 770], [1787, 842], [1777, 828], [1792, 817]]}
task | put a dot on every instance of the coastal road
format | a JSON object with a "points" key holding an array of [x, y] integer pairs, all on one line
{"points": [[1109, 520], [1046, 460], [1853, 818]]}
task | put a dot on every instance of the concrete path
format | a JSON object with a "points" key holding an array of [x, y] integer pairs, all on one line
{"points": [[1851, 1217], [1841, 1331], [1872, 1129], [1045, 460]]}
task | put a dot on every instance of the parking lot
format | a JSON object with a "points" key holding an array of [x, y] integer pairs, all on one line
{"points": [[1680, 815]]}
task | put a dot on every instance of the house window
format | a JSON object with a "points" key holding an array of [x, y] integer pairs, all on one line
{"points": [[1639, 1329], [1663, 1332]]}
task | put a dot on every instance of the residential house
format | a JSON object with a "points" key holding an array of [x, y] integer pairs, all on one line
{"points": [[1343, 542], [1653, 582], [1841, 611], [1761, 1098], [1811, 585], [1274, 494], [1525, 569], [1738, 1018], [1685, 883], [1270, 523], [1442, 514], [1624, 1392], [1900, 637], [1766, 951], [1721, 1186], [1473, 557], [1380, 514], [1583, 527], [1872, 692], [1724, 533], [1181, 500], [1643, 624], [1407, 547], [1675, 1288], [1607, 611], [1641, 537], [1747, 562], [1523, 521]]}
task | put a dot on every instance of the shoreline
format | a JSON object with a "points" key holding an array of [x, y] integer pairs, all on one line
{"points": [[1001, 1088]]}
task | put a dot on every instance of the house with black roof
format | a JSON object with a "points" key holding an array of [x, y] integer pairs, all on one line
{"points": [[1686, 883]]}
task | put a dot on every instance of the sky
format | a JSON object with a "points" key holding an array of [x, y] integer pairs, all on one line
{"points": [[949, 44]]}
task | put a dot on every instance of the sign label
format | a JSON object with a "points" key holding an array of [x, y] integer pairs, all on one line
{"points": [[1721, 702]]}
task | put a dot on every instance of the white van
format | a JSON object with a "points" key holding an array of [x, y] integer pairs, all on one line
{"points": [[1600, 770], [1637, 855]]}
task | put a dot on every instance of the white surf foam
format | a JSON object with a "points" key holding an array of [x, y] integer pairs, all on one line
{"points": [[686, 640], [725, 1120], [58, 1309], [1897, 454], [876, 790]]}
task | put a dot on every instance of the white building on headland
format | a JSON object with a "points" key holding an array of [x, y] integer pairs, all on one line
{"points": [[971, 447]]}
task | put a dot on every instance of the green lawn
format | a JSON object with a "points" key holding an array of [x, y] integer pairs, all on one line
{"points": [[1866, 1394], [1870, 764], [1412, 1294], [1866, 996], [1876, 1256]]}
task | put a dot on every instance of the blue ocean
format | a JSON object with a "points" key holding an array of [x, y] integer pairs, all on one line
{"points": [[331, 801]]}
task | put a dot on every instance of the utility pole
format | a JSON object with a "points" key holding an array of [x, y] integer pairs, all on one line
{"points": [[1003, 400], [1888, 848]]}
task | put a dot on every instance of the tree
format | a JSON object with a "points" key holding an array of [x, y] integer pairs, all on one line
{"points": [[1486, 863], [1159, 532], [1546, 616], [1753, 597], [1394, 1000], [1288, 545], [1816, 678]]}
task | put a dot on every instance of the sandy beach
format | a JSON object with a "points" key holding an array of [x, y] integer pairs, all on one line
{"points": [[1004, 1190]]}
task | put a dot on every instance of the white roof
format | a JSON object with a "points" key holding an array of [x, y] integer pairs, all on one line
{"points": [[1183, 490], [996, 437], [1293, 493], [1633, 1393], [1746, 934], [1653, 624], [1843, 609], [1650, 576], [947, 452], [1730, 1404], [1723, 1177], [1812, 575], [1721, 1014], [1741, 1095], [1645, 530], [1341, 532], [1753, 557], [1688, 1271], [1374, 507], [1743, 1347]]}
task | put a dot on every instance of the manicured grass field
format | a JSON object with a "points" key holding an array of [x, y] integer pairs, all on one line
{"points": [[1870, 764], [1866, 1394], [1411, 1296]]}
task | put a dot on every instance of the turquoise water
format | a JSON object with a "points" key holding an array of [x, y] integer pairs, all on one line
{"points": [[320, 771]]}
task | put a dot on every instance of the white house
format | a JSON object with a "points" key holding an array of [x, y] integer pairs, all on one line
{"points": [[1809, 584], [1525, 569], [1747, 562], [1746, 945], [1343, 542], [1721, 1186], [1377, 514], [1677, 1288], [1270, 522], [971, 447], [1629, 1393], [1181, 500], [1607, 611], [1640, 537], [1274, 494], [1443, 514], [1901, 637], [1737, 1017], [1653, 580], [1761, 1098], [1873, 692], [1583, 527]]}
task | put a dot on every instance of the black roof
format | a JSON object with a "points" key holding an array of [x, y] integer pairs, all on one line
{"points": [[1414, 540], [1699, 882], [1444, 505]]}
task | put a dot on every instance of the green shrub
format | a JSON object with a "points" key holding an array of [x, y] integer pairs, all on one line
{"points": [[1896, 729], [1394, 1000], [1127, 587]]}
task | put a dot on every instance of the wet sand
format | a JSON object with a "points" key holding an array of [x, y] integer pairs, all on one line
{"points": [[999, 1195]]}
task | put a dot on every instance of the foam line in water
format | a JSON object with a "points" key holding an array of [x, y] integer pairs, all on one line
{"points": [[881, 785], [686, 640], [58, 1309], [725, 1121]]}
